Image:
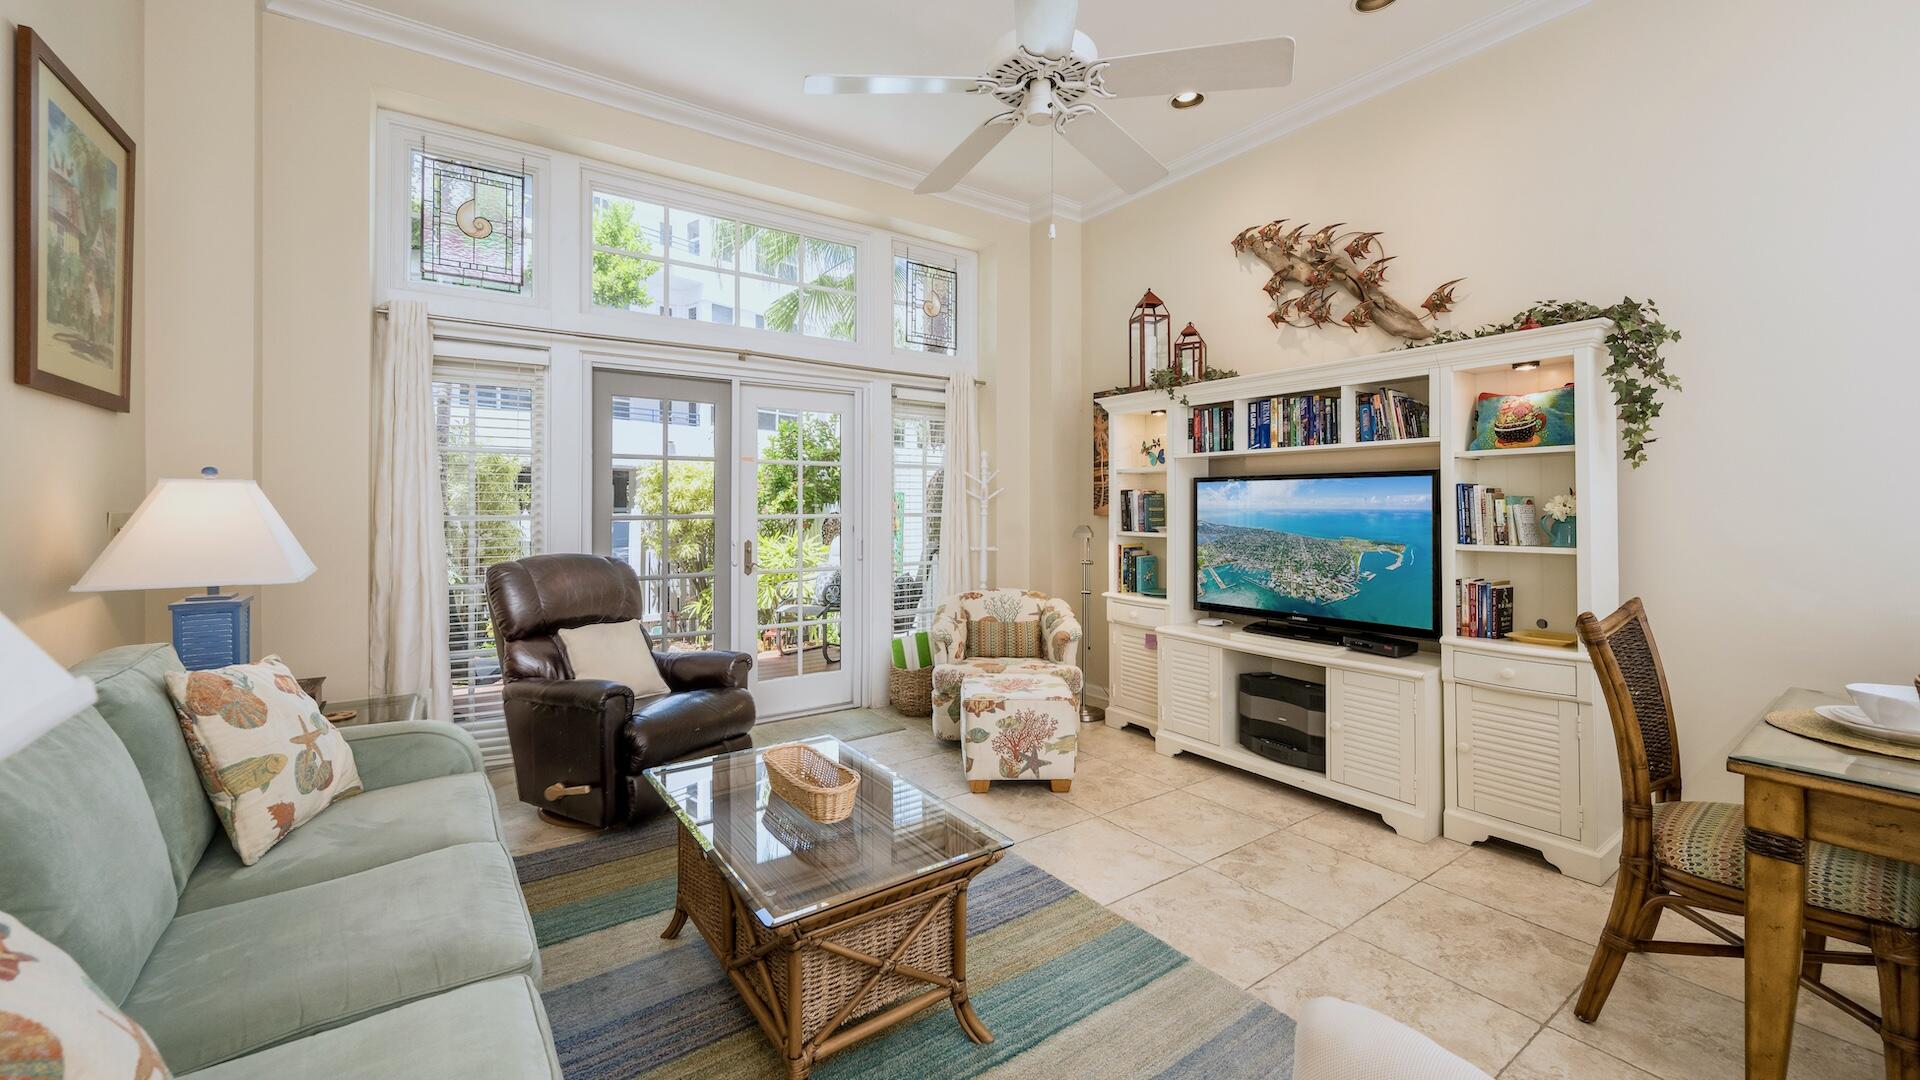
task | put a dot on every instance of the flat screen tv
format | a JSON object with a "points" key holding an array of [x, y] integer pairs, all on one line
{"points": [[1337, 551]]}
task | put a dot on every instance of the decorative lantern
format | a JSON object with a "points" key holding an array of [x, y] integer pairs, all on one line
{"points": [[1190, 354], [1149, 344]]}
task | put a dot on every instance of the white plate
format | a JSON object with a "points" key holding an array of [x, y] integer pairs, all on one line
{"points": [[1851, 718]]}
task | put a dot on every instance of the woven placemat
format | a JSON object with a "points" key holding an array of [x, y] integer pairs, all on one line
{"points": [[1814, 726]]}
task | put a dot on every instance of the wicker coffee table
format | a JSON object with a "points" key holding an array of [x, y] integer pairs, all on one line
{"points": [[829, 932]]}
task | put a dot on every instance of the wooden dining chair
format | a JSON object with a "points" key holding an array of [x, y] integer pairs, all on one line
{"points": [[1691, 857]]}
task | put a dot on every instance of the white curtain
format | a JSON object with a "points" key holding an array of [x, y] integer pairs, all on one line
{"points": [[957, 539], [407, 632]]}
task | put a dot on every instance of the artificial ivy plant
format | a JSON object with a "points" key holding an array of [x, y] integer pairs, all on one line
{"points": [[1169, 380], [1637, 372]]}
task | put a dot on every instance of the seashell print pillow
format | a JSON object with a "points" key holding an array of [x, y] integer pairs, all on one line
{"points": [[267, 758], [54, 1023]]}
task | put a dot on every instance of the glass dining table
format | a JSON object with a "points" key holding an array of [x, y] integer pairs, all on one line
{"points": [[1801, 789], [829, 931]]}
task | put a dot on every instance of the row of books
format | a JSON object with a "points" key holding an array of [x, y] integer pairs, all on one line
{"points": [[1140, 571], [1485, 607], [1485, 515], [1390, 414], [1211, 427], [1294, 420], [1143, 511]]}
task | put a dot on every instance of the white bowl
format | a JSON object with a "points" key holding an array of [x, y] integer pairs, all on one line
{"points": [[1888, 705]]}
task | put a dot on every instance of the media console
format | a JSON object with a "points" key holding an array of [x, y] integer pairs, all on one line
{"points": [[1473, 737], [1383, 718]]}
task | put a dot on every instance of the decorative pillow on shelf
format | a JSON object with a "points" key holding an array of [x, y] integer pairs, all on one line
{"points": [[267, 757], [914, 651], [1509, 421], [55, 1023], [616, 652]]}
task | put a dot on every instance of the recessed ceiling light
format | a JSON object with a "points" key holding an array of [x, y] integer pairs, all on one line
{"points": [[1527, 365], [1366, 6], [1186, 99]]}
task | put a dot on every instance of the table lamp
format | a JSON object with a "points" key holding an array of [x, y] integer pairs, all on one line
{"points": [[40, 693], [189, 532]]}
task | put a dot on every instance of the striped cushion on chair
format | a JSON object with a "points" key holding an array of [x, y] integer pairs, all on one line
{"points": [[1708, 840]]}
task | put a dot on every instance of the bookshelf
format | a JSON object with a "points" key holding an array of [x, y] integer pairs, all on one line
{"points": [[1522, 749]]}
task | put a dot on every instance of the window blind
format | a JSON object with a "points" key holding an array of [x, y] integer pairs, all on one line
{"points": [[489, 419], [919, 465]]}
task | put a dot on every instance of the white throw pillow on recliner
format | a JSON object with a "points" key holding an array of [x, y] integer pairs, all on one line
{"points": [[616, 652], [1338, 1040]]}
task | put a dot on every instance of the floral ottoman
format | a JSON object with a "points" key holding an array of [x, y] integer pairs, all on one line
{"points": [[1018, 727]]}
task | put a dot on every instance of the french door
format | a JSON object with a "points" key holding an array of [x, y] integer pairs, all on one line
{"points": [[662, 499], [795, 574]]}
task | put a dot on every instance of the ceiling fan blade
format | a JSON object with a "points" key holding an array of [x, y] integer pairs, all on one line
{"points": [[1045, 26], [1239, 65], [891, 84], [1113, 151], [963, 159]]}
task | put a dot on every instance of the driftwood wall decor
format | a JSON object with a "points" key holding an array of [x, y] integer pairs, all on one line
{"points": [[1311, 269]]}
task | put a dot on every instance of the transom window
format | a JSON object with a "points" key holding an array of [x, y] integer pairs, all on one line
{"points": [[471, 224], [926, 301], [663, 260]]}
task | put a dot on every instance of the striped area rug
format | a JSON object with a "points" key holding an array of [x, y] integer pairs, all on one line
{"points": [[1067, 987]]}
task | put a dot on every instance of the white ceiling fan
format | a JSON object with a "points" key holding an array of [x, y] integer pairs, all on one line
{"points": [[1047, 72]]}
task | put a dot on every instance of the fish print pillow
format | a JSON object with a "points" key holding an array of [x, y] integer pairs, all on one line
{"points": [[267, 757], [54, 1023]]}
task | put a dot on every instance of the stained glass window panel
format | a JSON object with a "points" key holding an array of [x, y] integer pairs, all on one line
{"points": [[932, 300], [471, 224]]}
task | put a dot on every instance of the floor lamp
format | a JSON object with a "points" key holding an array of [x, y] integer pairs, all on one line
{"points": [[1085, 536]]}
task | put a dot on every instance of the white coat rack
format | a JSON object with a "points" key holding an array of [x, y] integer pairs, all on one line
{"points": [[980, 488]]}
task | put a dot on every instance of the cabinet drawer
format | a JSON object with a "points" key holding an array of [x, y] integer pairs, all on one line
{"points": [[1135, 614], [1538, 676]]}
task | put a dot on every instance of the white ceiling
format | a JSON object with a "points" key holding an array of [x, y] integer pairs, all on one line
{"points": [[746, 59]]}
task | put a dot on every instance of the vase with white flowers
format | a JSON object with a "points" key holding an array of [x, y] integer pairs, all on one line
{"points": [[1562, 512]]}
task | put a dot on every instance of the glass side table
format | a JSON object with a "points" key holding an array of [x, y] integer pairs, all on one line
{"points": [[375, 710]]}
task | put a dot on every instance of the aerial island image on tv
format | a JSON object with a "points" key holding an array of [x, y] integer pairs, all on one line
{"points": [[1355, 548]]}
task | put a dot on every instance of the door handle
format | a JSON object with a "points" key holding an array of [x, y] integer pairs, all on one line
{"points": [[746, 549]]}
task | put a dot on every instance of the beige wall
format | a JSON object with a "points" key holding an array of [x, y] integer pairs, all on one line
{"points": [[201, 170], [68, 465], [320, 90], [1752, 167]]}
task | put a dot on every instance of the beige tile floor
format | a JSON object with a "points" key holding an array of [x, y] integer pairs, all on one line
{"points": [[1293, 896]]}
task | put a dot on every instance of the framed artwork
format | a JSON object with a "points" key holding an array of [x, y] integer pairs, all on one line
{"points": [[73, 235], [1101, 493]]}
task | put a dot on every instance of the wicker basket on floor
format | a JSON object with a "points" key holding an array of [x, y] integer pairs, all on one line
{"points": [[911, 692]]}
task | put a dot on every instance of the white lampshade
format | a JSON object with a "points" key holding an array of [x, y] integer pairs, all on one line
{"points": [[200, 533], [39, 692]]}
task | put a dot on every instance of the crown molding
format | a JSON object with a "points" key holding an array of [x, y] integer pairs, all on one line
{"points": [[352, 17], [1481, 34]]}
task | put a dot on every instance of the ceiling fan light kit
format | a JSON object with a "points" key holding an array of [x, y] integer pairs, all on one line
{"points": [[1368, 7], [1046, 72]]}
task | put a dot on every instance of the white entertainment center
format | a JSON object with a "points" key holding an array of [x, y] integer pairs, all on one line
{"points": [[1470, 737]]}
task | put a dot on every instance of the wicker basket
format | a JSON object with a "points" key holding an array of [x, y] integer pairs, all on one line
{"points": [[910, 692], [813, 783]]}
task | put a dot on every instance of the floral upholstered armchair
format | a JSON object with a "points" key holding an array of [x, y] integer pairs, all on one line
{"points": [[1000, 630]]}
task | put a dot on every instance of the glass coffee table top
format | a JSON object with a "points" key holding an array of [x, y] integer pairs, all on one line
{"points": [[785, 864]]}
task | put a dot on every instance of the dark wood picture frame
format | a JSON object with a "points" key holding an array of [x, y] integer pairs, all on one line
{"points": [[31, 54]]}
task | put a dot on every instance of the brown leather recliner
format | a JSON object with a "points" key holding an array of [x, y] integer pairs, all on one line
{"points": [[579, 745]]}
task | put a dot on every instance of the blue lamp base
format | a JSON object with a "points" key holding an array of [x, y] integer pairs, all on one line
{"points": [[213, 631]]}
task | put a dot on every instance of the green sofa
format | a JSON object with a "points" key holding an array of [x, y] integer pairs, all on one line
{"points": [[385, 937]]}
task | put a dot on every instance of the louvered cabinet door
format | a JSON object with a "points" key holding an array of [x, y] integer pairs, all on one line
{"points": [[1370, 726], [1518, 758], [1133, 670], [1190, 690]]}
